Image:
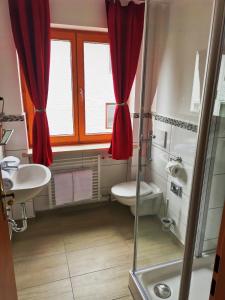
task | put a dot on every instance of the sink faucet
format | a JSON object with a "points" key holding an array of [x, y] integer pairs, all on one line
{"points": [[5, 165]]}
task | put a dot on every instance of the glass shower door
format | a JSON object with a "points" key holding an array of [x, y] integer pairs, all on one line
{"points": [[177, 72], [208, 193]]}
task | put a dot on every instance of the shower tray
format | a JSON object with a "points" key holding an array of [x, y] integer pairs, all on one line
{"points": [[142, 283]]}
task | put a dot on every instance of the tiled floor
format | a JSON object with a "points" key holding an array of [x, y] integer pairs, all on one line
{"points": [[85, 254]]}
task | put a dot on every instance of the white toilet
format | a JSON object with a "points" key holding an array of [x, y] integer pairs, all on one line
{"points": [[150, 196]]}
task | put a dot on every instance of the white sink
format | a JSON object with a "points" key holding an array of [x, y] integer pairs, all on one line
{"points": [[29, 180]]}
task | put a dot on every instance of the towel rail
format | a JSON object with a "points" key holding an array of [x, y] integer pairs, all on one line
{"points": [[75, 164]]}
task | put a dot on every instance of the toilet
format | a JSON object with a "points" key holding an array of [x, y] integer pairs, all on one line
{"points": [[150, 196]]}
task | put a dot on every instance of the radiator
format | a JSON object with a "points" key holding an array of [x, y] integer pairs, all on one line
{"points": [[75, 164]]}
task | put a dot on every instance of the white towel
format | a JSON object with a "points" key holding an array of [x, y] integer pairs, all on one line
{"points": [[7, 181], [82, 181], [63, 188]]}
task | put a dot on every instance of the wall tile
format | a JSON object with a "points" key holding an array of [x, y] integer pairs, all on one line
{"points": [[135, 157], [220, 127], [219, 165], [210, 245], [183, 144], [41, 202], [135, 130], [217, 192], [178, 207], [133, 173], [109, 162], [160, 126], [162, 184], [160, 181], [21, 154], [213, 223], [114, 174], [159, 161], [180, 231]]}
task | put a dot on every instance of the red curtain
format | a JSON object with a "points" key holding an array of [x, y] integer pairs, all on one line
{"points": [[30, 20], [125, 26]]}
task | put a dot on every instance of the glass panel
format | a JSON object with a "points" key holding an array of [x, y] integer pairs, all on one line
{"points": [[177, 48], [213, 193], [60, 98], [98, 87]]}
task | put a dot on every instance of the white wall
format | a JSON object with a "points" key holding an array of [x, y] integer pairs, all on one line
{"points": [[87, 13], [187, 31]]}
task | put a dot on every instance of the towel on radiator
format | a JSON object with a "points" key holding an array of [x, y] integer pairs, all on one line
{"points": [[63, 188], [82, 182]]}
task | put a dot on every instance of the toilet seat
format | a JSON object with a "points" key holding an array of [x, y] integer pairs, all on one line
{"points": [[128, 189]]}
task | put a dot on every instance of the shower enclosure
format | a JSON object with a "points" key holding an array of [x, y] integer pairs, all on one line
{"points": [[184, 80]]}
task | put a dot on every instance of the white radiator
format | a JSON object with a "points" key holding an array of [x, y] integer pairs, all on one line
{"points": [[75, 164]]}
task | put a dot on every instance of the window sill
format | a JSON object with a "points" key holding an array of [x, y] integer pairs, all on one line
{"points": [[77, 148]]}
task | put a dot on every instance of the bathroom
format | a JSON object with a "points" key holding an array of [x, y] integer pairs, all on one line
{"points": [[93, 240]]}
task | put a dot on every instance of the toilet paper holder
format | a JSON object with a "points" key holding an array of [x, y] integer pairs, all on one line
{"points": [[177, 158]]}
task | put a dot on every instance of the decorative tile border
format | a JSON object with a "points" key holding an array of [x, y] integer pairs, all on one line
{"points": [[175, 122], [11, 118]]}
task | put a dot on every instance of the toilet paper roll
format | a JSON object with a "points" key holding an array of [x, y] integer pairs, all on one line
{"points": [[7, 181], [174, 168]]}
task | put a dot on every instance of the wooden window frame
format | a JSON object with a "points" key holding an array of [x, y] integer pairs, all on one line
{"points": [[82, 37], [77, 39]]}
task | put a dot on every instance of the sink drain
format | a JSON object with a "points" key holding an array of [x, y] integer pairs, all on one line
{"points": [[162, 290]]}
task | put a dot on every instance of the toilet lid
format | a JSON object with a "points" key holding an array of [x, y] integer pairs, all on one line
{"points": [[128, 189]]}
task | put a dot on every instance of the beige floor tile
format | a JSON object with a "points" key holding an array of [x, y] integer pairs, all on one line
{"points": [[103, 285], [98, 258], [156, 246], [94, 236], [98, 245], [52, 291], [75, 220], [37, 271], [38, 246]]}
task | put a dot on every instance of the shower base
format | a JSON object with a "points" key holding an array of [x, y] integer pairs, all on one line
{"points": [[142, 283]]}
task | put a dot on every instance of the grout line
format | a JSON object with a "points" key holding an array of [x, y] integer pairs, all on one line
{"points": [[67, 262], [38, 285], [72, 289], [104, 269]]}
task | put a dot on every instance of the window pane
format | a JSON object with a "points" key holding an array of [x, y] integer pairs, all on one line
{"points": [[98, 87], [60, 103]]}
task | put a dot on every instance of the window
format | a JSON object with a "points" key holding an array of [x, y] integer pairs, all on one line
{"points": [[81, 97]]}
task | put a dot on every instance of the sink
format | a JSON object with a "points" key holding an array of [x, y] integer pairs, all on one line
{"points": [[29, 180]]}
